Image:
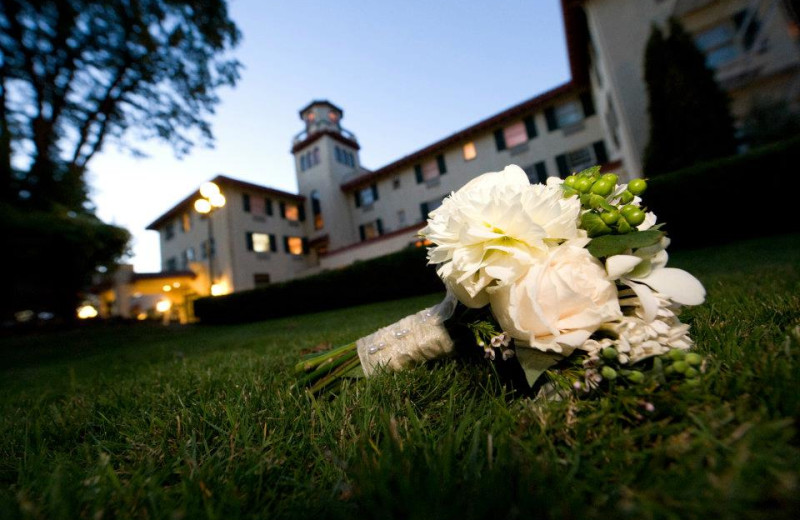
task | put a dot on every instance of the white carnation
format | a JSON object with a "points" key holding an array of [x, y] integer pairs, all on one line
{"points": [[490, 231]]}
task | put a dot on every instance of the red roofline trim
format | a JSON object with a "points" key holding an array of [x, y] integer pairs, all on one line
{"points": [[316, 136], [381, 238]]}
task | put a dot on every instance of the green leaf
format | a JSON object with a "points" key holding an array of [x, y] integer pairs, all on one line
{"points": [[535, 362], [610, 245]]}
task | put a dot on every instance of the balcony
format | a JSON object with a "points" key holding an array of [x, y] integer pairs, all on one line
{"points": [[322, 126]]}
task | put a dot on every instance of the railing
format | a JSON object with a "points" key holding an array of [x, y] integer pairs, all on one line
{"points": [[320, 126]]}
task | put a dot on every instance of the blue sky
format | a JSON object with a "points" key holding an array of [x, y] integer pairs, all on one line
{"points": [[406, 74]]}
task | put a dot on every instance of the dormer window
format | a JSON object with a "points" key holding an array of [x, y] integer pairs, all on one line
{"points": [[310, 117], [333, 117]]}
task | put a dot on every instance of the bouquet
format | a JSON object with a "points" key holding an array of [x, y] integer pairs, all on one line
{"points": [[567, 277]]}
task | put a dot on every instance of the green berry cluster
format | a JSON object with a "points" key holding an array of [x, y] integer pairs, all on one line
{"points": [[610, 355], [681, 364], [595, 192]]}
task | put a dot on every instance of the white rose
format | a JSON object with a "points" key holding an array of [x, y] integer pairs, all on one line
{"points": [[558, 303], [492, 229]]}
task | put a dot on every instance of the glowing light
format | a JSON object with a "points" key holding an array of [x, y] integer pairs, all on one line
{"points": [[163, 306], [209, 189], [202, 206], [176, 284], [141, 316], [219, 288], [217, 200], [86, 312], [167, 288]]}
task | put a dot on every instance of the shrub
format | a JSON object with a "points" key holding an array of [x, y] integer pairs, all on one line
{"points": [[729, 199], [398, 275]]}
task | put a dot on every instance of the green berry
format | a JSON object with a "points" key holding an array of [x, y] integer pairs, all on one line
{"points": [[635, 218], [570, 181], [595, 201], [637, 186], [691, 372], [569, 192], [636, 376], [610, 177], [694, 359], [623, 226], [680, 366], [609, 373], [602, 187], [583, 184], [610, 353], [676, 354], [593, 224], [625, 210], [609, 217], [626, 197]]}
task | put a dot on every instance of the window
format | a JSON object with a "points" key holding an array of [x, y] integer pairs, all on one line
{"points": [[257, 205], [582, 158], [568, 114], [310, 117], [316, 210], [537, 173], [345, 157], [190, 256], [169, 231], [172, 264], [721, 43], [268, 206], [430, 170], [186, 222], [293, 245], [396, 183], [516, 134], [246, 202], [260, 280], [469, 151], [366, 197], [260, 242], [427, 207], [401, 218], [309, 159], [291, 212], [333, 117], [371, 230]]}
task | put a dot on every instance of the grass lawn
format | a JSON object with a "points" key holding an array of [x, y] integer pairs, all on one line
{"points": [[199, 422]]}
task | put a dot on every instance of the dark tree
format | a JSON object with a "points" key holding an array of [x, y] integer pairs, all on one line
{"points": [[689, 116], [76, 73]]}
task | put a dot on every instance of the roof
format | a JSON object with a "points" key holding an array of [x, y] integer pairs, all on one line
{"points": [[577, 36], [466, 134], [222, 181], [320, 102]]}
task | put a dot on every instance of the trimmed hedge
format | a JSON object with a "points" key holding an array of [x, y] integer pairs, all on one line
{"points": [[730, 199], [398, 275]]}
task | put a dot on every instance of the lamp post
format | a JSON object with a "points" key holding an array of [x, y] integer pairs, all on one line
{"points": [[211, 199]]}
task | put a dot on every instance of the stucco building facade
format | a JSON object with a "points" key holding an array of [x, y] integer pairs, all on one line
{"points": [[345, 212]]}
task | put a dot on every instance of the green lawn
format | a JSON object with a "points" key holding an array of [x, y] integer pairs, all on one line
{"points": [[151, 422]]}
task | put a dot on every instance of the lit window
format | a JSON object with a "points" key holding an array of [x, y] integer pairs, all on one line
{"points": [[310, 117], [719, 44], [291, 212], [568, 114], [371, 230], [515, 134], [333, 117], [260, 242], [186, 222], [469, 151], [294, 245]]}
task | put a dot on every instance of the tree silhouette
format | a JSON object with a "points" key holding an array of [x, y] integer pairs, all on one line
{"points": [[689, 116], [76, 73]]}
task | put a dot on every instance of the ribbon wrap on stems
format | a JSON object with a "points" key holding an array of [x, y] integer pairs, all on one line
{"points": [[412, 340]]}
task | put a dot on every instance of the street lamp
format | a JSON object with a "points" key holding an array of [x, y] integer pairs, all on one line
{"points": [[211, 200]]}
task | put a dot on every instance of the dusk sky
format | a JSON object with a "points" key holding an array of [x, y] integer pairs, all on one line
{"points": [[405, 73]]}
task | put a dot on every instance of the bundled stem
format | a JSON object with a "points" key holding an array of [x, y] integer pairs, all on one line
{"points": [[321, 371]]}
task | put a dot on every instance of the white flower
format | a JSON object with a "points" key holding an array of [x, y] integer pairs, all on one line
{"points": [[559, 302], [645, 272], [492, 229]]}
